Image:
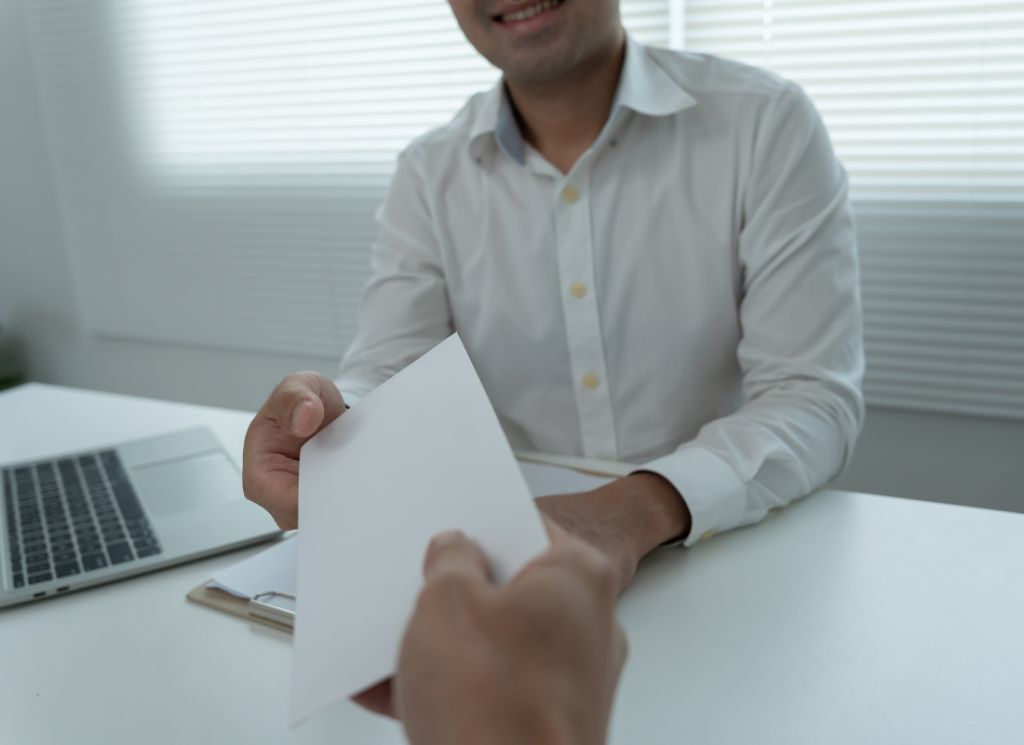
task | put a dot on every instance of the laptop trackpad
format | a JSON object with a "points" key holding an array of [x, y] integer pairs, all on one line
{"points": [[189, 484]]}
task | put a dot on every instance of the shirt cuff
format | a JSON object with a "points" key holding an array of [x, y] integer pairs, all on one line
{"points": [[714, 494]]}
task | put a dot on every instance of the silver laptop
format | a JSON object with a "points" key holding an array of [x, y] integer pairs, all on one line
{"points": [[91, 517]]}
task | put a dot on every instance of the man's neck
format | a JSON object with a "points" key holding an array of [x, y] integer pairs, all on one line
{"points": [[563, 118]]}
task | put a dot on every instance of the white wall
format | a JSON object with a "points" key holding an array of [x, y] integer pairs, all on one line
{"points": [[958, 460]]}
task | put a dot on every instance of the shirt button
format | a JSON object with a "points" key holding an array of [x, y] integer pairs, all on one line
{"points": [[590, 381], [570, 194], [578, 290]]}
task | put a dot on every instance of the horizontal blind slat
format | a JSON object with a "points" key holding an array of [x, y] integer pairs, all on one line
{"points": [[220, 161], [924, 101]]}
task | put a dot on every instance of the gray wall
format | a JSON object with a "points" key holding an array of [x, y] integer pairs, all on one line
{"points": [[939, 458], [959, 460], [37, 296]]}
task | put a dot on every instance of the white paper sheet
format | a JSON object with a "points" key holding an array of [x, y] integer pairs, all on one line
{"points": [[422, 453], [276, 568], [272, 570]]}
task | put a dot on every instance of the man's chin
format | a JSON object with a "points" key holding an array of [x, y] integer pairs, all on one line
{"points": [[541, 64]]}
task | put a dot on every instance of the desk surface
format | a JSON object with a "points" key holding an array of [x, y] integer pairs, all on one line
{"points": [[846, 618]]}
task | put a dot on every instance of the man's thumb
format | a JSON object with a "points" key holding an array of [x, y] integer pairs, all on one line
{"points": [[452, 552]]}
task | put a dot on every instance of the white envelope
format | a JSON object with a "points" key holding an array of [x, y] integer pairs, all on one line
{"points": [[422, 453]]}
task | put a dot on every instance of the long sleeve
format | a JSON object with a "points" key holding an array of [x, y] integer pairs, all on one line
{"points": [[405, 310], [801, 353]]}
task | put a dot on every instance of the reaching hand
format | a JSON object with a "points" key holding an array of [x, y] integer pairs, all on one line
{"points": [[300, 406], [536, 661]]}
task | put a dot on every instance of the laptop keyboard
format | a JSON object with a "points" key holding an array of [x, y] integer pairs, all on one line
{"points": [[73, 515]]}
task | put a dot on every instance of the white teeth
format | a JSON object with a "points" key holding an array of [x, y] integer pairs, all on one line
{"points": [[530, 12]]}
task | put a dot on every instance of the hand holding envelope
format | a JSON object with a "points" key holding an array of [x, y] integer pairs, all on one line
{"points": [[422, 454], [535, 661]]}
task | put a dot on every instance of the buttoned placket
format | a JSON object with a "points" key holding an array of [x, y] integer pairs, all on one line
{"points": [[578, 289]]}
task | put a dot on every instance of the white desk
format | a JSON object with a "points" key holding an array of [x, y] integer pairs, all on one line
{"points": [[846, 618]]}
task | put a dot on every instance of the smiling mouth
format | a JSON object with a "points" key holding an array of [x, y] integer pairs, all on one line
{"points": [[526, 13]]}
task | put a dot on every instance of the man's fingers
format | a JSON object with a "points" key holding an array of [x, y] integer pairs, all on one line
{"points": [[304, 403], [378, 699], [451, 552], [300, 406], [556, 532], [620, 649], [306, 417]]}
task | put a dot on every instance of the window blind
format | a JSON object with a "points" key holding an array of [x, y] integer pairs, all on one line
{"points": [[219, 161], [924, 101]]}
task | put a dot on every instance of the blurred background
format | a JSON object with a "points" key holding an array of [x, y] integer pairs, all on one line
{"points": [[187, 191]]}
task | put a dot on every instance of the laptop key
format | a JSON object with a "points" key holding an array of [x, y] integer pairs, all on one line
{"points": [[64, 556], [94, 561], [36, 558], [67, 569], [127, 501], [62, 546], [144, 542], [89, 547], [35, 579], [120, 553], [19, 580], [144, 552], [42, 566]]}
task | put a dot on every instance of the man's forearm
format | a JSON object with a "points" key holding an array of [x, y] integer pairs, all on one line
{"points": [[626, 519], [659, 512]]}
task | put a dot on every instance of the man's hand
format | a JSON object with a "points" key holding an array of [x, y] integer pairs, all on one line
{"points": [[625, 519], [534, 662], [300, 406]]}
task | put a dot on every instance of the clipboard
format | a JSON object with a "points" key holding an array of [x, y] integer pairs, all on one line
{"points": [[258, 610], [254, 609]]}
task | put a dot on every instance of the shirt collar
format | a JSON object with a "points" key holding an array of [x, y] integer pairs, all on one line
{"points": [[496, 124], [644, 87]]}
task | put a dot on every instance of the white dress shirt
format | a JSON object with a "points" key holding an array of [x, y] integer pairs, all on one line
{"points": [[685, 298]]}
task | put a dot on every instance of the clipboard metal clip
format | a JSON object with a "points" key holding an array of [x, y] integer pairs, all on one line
{"points": [[269, 611]]}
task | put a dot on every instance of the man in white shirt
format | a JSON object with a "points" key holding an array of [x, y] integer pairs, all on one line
{"points": [[649, 256]]}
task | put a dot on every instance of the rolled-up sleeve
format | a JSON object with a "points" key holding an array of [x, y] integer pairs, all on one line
{"points": [[405, 310], [801, 353]]}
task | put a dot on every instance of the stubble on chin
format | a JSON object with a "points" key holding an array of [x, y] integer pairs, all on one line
{"points": [[541, 57]]}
